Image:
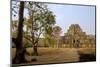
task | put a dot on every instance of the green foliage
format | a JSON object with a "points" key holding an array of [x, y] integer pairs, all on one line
{"points": [[14, 26], [39, 22]]}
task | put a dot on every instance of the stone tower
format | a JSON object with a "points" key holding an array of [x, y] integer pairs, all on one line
{"points": [[75, 37]]}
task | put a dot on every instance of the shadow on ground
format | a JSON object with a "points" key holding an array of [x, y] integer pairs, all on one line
{"points": [[87, 57]]}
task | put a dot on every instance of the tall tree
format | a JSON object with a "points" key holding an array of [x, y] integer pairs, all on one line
{"points": [[20, 50], [40, 18]]}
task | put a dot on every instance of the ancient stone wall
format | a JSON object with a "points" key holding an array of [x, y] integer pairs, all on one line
{"points": [[75, 37]]}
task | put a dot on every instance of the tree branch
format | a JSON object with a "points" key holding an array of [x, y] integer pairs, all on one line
{"points": [[28, 38], [38, 38]]}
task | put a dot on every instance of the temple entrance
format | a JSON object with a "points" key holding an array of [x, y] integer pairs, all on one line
{"points": [[76, 43]]}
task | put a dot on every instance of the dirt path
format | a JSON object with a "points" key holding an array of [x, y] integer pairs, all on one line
{"points": [[56, 55], [60, 55]]}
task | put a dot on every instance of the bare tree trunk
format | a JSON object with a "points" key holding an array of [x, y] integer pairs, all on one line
{"points": [[35, 53], [20, 50]]}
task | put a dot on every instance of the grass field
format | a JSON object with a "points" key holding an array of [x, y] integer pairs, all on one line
{"points": [[56, 55]]}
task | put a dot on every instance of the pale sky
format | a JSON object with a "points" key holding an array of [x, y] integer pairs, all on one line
{"points": [[73, 14]]}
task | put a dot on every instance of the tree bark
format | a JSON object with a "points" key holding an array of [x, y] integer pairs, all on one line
{"points": [[35, 53], [20, 50]]}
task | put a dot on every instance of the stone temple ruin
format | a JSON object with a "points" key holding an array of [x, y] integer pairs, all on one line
{"points": [[75, 37]]}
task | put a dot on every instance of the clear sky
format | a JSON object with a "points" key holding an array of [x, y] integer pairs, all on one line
{"points": [[74, 14]]}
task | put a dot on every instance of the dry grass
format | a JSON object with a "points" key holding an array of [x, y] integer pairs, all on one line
{"points": [[57, 55], [87, 50]]}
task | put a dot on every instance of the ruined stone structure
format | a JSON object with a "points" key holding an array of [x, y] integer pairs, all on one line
{"points": [[75, 37]]}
